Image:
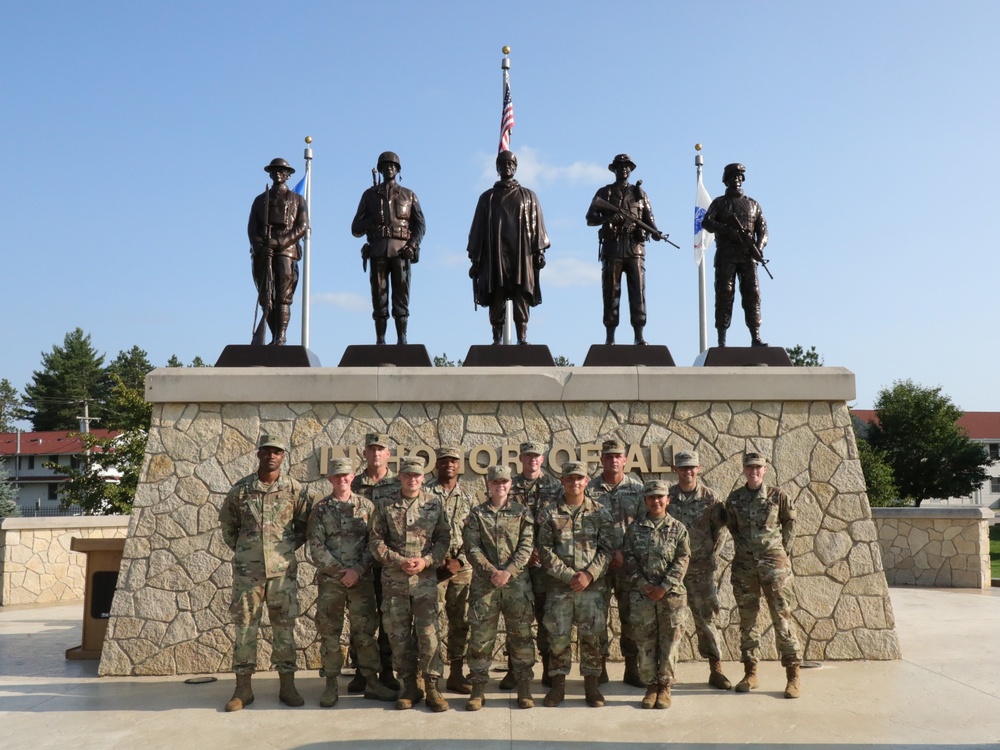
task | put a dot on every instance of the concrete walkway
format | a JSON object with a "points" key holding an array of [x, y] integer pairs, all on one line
{"points": [[944, 693]]}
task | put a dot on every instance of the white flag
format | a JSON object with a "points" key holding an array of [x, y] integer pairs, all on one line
{"points": [[702, 239]]}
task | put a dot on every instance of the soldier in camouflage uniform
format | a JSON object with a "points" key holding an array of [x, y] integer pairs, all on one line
{"points": [[410, 536], [374, 482], [656, 558], [454, 574], [499, 537], [263, 520], [621, 494], [338, 545], [762, 522], [533, 489], [704, 515], [575, 540]]}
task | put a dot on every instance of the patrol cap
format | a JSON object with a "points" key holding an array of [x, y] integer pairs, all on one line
{"points": [[531, 447], [753, 459], [377, 439], [574, 469], [279, 164], [655, 487], [612, 446], [731, 169], [272, 441], [388, 156], [340, 466], [498, 472], [621, 159], [686, 458], [412, 465], [450, 452]]}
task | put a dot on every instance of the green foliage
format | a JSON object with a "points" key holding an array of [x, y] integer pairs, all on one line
{"points": [[443, 361], [931, 456], [8, 496], [174, 361], [879, 479], [802, 358], [995, 550], [11, 406], [71, 375], [198, 362], [562, 361], [128, 371]]}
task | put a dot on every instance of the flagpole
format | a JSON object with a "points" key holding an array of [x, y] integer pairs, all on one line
{"points": [[307, 244], [702, 284], [508, 319]]}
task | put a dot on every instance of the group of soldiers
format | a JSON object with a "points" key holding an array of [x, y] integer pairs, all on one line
{"points": [[391, 551], [506, 247]]}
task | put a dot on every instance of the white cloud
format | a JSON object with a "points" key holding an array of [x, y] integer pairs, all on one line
{"points": [[571, 272], [344, 301], [533, 170]]}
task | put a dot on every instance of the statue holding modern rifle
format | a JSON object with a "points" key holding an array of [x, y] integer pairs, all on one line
{"points": [[278, 221], [389, 215], [740, 238]]}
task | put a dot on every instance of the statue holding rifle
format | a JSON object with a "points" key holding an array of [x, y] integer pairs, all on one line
{"points": [[740, 238], [278, 221], [389, 215], [623, 212]]}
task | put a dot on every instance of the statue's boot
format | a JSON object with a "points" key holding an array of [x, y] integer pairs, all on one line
{"points": [[639, 340], [522, 333], [497, 335], [243, 695], [282, 315], [793, 687], [380, 326], [401, 330], [716, 678], [610, 338], [287, 693], [722, 337], [755, 337], [749, 680]]}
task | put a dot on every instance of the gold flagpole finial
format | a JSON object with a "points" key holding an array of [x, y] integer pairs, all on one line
{"points": [[309, 139], [506, 49]]}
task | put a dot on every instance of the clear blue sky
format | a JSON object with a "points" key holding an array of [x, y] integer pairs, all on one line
{"points": [[135, 135]]}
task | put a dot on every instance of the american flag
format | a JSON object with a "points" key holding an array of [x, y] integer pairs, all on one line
{"points": [[507, 118]]}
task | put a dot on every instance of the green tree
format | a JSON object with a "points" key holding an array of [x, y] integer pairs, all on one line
{"points": [[105, 481], [129, 369], [174, 361], [802, 358], [198, 362], [71, 375], [930, 454], [443, 361], [562, 361], [11, 406], [8, 496], [879, 478]]}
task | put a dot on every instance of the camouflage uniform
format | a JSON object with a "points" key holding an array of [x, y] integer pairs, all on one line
{"points": [[338, 541], [657, 552], [571, 540], [402, 528], [535, 494], [762, 523], [624, 502], [264, 525], [374, 490], [495, 539], [453, 591], [704, 515]]}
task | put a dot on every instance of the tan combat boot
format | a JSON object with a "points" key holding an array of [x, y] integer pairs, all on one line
{"points": [[749, 680], [457, 683], [524, 699], [332, 693], [410, 695], [663, 696], [377, 691], [631, 676], [591, 692], [715, 677], [649, 699], [557, 693], [243, 695], [792, 688], [478, 698], [287, 693], [434, 700]]}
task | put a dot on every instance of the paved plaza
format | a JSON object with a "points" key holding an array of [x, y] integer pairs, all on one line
{"points": [[944, 693]]}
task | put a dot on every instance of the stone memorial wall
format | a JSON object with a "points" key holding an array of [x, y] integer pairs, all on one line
{"points": [[170, 612]]}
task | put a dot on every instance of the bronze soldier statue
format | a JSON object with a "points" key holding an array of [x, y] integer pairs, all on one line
{"points": [[740, 237], [390, 216], [278, 220], [507, 244], [616, 209]]}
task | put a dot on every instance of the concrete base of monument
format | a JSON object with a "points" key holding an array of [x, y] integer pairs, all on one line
{"points": [[385, 355], [248, 355], [515, 355], [743, 356], [628, 355]]}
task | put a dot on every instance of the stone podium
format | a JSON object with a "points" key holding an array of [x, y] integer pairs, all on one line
{"points": [[170, 611]]}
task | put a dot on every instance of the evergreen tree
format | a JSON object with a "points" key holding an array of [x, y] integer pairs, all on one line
{"points": [[802, 358], [128, 371], [8, 496], [11, 406], [71, 375]]}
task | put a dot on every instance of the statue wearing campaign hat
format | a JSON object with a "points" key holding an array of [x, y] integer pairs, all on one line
{"points": [[279, 219]]}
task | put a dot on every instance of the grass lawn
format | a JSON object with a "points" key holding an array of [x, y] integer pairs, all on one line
{"points": [[995, 550]]}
